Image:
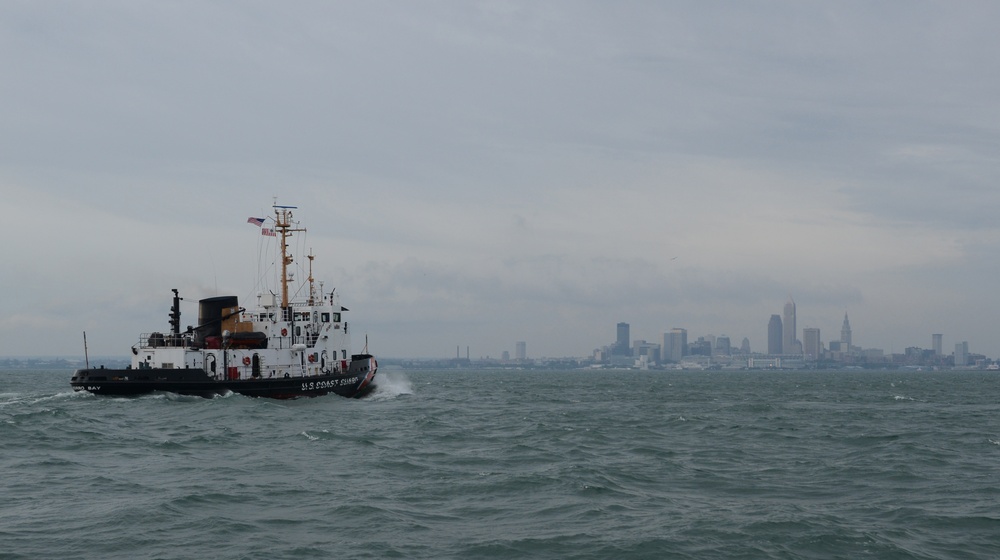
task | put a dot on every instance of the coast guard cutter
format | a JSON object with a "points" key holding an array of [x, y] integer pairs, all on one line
{"points": [[280, 349]]}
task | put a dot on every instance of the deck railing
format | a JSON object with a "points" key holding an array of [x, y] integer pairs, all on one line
{"points": [[160, 340]]}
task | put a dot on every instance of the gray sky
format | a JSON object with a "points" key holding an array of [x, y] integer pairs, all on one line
{"points": [[478, 173]]}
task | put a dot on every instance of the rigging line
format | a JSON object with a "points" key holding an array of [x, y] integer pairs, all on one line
{"points": [[260, 251], [256, 281]]}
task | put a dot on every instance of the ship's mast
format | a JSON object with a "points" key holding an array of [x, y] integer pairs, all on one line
{"points": [[312, 289], [283, 223]]}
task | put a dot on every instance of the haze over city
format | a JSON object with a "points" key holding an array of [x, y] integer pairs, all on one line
{"points": [[783, 349], [480, 173]]}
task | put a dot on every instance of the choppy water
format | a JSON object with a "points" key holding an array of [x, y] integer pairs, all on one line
{"points": [[465, 464]]}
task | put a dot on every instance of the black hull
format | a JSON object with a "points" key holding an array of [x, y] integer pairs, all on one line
{"points": [[196, 382]]}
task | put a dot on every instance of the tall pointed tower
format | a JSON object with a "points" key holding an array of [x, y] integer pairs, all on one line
{"points": [[845, 335]]}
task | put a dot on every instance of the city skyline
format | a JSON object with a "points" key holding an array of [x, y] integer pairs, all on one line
{"points": [[677, 337], [812, 347], [674, 343]]}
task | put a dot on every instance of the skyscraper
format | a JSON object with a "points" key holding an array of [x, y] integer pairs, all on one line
{"points": [[521, 351], [845, 335], [962, 354], [723, 346], [937, 343], [811, 345], [622, 345], [674, 345], [788, 345], [774, 335]]}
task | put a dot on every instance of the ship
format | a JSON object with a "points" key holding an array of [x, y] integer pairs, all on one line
{"points": [[281, 348]]}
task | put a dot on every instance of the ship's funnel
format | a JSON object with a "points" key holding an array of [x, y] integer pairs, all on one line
{"points": [[210, 315]]}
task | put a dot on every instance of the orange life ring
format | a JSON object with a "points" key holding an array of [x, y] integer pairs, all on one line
{"points": [[246, 360], [284, 332]]}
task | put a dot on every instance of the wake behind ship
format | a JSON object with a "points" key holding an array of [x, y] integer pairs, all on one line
{"points": [[279, 349]]}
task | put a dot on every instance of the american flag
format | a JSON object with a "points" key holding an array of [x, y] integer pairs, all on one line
{"points": [[268, 232], [255, 221]]}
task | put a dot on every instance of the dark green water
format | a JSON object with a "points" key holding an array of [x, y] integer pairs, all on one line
{"points": [[464, 464]]}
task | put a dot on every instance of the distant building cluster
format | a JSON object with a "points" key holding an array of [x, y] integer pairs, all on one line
{"points": [[787, 348], [784, 350]]}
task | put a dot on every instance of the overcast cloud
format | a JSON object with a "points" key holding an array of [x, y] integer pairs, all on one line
{"points": [[478, 173]]}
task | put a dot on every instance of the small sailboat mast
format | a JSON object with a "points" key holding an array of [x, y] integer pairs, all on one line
{"points": [[86, 356]]}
